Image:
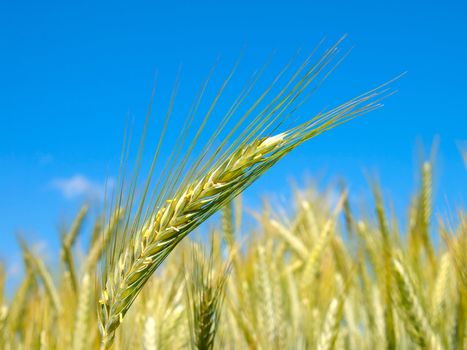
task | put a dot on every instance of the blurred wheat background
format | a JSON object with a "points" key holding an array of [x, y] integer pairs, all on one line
{"points": [[311, 276]]}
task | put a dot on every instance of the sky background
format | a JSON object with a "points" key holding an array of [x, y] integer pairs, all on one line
{"points": [[73, 73]]}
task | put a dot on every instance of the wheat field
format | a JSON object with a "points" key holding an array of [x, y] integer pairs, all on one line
{"points": [[314, 275], [314, 278]]}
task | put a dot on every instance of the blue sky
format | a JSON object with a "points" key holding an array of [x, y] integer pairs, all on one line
{"points": [[72, 73]]}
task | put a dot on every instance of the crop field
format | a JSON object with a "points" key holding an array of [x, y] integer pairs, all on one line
{"points": [[307, 280], [318, 274]]}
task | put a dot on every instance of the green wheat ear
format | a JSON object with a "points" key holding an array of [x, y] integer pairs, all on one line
{"points": [[204, 288], [188, 192]]}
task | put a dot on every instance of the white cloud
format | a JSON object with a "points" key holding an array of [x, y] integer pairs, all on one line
{"points": [[80, 186]]}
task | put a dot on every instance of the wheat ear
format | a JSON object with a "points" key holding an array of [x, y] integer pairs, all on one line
{"points": [[205, 294], [269, 299], [188, 210], [41, 270], [67, 245], [149, 335], [202, 192], [418, 326], [330, 331], [179, 217], [386, 270], [80, 335]]}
